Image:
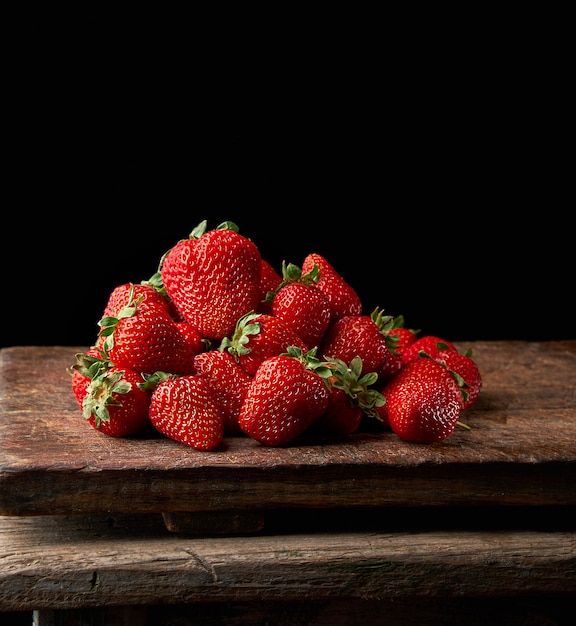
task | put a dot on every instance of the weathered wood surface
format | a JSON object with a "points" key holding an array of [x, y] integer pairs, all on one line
{"points": [[80, 561], [521, 450]]}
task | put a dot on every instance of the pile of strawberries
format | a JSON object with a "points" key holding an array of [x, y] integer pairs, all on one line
{"points": [[218, 343]]}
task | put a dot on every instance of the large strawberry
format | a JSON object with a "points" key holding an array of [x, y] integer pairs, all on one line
{"points": [[213, 278], [287, 394], [301, 305], [259, 336], [229, 381], [149, 340], [344, 300], [423, 402], [116, 402], [186, 409]]}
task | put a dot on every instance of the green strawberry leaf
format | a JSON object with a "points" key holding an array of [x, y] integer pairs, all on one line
{"points": [[245, 327]]}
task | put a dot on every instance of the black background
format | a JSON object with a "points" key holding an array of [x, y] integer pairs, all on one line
{"points": [[440, 190]]}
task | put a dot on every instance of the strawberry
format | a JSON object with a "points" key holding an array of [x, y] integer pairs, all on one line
{"points": [[149, 340], [351, 397], [116, 402], [127, 297], [155, 282], [186, 409], [463, 365], [430, 344], [342, 416], [131, 294], [259, 336], [194, 340], [213, 278], [269, 282], [301, 305], [88, 365], [365, 336], [398, 338], [344, 300], [229, 381], [287, 394], [423, 402]]}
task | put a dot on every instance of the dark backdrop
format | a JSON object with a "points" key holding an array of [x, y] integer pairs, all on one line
{"points": [[454, 242], [446, 201]]}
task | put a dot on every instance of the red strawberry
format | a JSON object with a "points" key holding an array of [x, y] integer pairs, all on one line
{"points": [[341, 417], [229, 381], [430, 344], [213, 278], [398, 338], [186, 409], [155, 281], [301, 305], [196, 343], [116, 403], [269, 282], [258, 337], [365, 336], [423, 402], [350, 399], [287, 394], [131, 294], [344, 300], [88, 365], [464, 366], [149, 340]]}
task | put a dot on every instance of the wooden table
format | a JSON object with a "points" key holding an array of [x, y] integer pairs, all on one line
{"points": [[369, 529]]}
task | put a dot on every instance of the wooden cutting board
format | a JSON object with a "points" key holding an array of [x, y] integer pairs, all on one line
{"points": [[521, 450]]}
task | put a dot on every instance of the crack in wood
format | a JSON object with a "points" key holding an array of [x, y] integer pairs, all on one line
{"points": [[95, 581], [204, 565]]}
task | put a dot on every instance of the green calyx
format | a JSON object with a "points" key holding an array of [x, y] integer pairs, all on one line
{"points": [[356, 386], [198, 230], [292, 273], [156, 282], [151, 381], [228, 225], [100, 395], [201, 228], [386, 324], [311, 362], [91, 366], [245, 328]]}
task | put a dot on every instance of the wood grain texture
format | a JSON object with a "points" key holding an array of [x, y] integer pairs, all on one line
{"points": [[78, 561], [521, 450]]}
